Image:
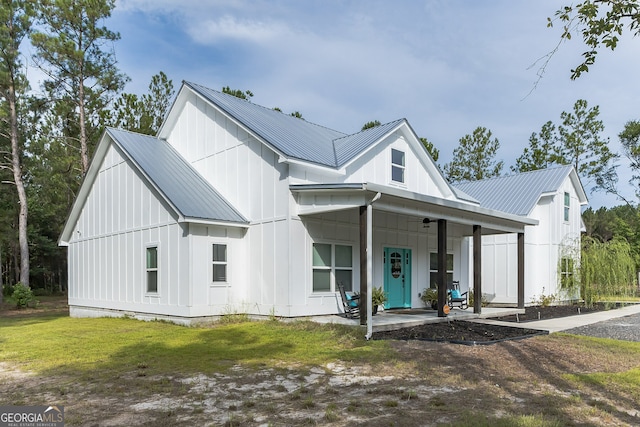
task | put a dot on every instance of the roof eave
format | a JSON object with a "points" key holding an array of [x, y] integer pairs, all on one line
{"points": [[215, 222]]}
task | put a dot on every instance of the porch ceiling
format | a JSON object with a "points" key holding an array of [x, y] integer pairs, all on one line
{"points": [[321, 198]]}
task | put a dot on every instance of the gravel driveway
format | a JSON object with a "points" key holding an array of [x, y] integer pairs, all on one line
{"points": [[625, 328]]}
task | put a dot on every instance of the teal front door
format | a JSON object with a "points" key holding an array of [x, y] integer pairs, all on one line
{"points": [[397, 277]]}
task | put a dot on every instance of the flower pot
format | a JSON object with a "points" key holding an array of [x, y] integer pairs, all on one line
{"points": [[374, 309]]}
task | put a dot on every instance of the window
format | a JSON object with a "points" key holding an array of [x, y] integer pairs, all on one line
{"points": [[433, 269], [397, 165], [567, 205], [152, 269], [219, 263], [566, 273], [332, 264]]}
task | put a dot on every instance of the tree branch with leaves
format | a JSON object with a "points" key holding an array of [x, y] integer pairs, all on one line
{"points": [[601, 23]]}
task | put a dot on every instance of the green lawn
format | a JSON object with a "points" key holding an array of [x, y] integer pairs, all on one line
{"points": [[548, 381], [58, 343]]}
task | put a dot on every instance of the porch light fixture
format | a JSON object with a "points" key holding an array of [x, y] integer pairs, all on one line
{"points": [[425, 223]]}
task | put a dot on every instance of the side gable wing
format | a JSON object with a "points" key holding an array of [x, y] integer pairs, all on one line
{"points": [[190, 197], [519, 194]]}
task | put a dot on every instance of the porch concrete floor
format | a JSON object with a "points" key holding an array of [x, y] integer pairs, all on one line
{"points": [[405, 318]]}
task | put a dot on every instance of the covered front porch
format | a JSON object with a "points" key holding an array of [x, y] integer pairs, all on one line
{"points": [[390, 220], [396, 319]]}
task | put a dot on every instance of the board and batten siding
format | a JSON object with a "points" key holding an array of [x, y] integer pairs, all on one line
{"points": [[374, 166], [121, 217], [543, 244], [342, 227], [249, 176]]}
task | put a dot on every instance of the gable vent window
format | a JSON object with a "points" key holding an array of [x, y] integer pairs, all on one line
{"points": [[567, 206], [397, 165]]}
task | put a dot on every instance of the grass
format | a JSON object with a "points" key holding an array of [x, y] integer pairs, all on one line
{"points": [[58, 343], [121, 361]]}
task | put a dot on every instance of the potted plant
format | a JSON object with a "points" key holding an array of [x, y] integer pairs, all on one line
{"points": [[378, 297], [430, 297]]}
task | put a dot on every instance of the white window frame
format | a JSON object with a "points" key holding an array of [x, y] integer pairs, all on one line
{"points": [[333, 286], [566, 203], [567, 271], [225, 263], [398, 166], [156, 269]]}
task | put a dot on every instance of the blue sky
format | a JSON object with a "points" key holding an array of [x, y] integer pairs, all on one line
{"points": [[447, 66]]}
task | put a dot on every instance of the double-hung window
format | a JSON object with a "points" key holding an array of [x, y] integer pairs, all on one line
{"points": [[397, 165], [566, 273], [152, 269], [567, 206], [219, 263], [332, 264]]}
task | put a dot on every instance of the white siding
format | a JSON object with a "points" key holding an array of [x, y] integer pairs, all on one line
{"points": [[543, 244], [375, 167], [248, 174], [390, 230], [243, 170], [107, 253]]}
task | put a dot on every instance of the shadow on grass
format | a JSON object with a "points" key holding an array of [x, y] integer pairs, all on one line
{"points": [[546, 374], [59, 344]]}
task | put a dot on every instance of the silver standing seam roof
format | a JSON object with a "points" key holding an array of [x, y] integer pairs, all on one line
{"points": [[516, 194], [293, 137], [178, 181]]}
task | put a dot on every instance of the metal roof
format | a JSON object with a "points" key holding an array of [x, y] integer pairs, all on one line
{"points": [[293, 137], [350, 146], [516, 194], [177, 180]]}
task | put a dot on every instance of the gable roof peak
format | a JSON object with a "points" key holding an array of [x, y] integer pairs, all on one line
{"points": [[519, 193]]}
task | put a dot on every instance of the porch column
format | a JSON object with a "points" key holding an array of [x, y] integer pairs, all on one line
{"points": [[520, 270], [442, 266], [477, 269], [363, 266]]}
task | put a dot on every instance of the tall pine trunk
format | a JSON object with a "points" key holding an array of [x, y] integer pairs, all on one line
{"points": [[17, 178]]}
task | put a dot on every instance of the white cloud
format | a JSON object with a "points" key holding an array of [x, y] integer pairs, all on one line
{"points": [[213, 31], [446, 66]]}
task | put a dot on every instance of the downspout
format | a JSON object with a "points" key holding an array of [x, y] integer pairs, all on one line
{"points": [[370, 265]]}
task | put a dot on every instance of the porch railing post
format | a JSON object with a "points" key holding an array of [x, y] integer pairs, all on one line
{"points": [[363, 265], [442, 266], [477, 269], [520, 270]]}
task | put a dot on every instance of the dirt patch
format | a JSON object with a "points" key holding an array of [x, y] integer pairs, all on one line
{"points": [[463, 332], [459, 332], [46, 305], [427, 383], [556, 311]]}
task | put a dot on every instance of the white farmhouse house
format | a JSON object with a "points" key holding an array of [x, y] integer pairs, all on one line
{"points": [[235, 207], [554, 197]]}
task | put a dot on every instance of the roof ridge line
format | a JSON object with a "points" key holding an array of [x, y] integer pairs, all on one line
{"points": [[366, 130], [552, 167], [191, 84]]}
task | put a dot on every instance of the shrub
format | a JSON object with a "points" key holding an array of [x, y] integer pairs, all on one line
{"points": [[7, 290], [483, 299], [607, 269], [22, 296]]}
